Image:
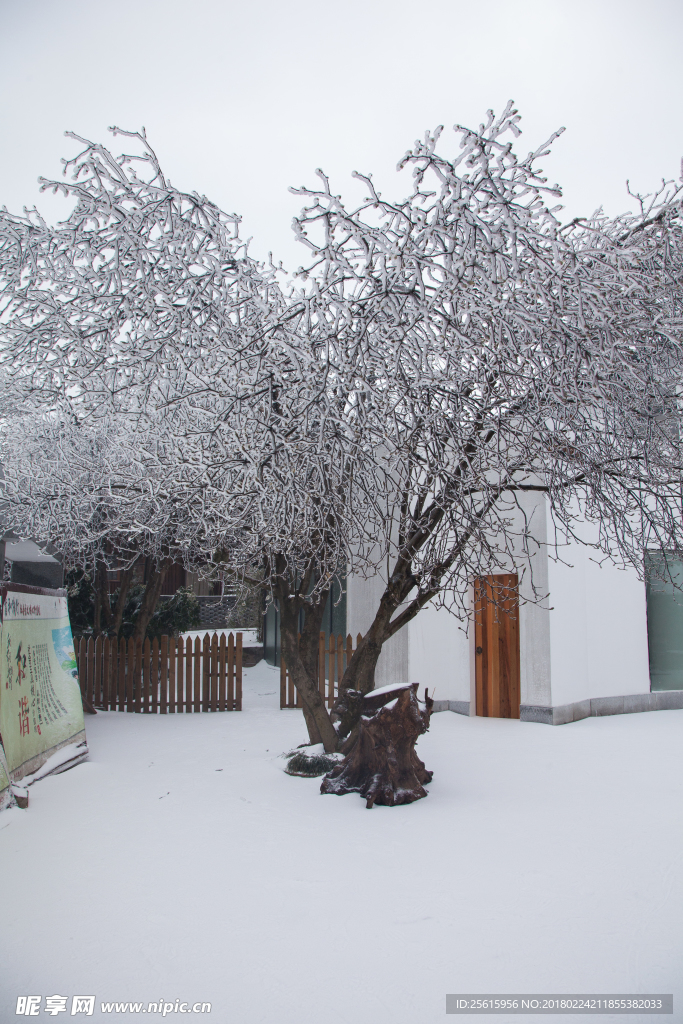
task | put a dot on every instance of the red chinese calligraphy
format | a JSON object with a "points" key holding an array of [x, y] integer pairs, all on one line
{"points": [[21, 665], [23, 716]]}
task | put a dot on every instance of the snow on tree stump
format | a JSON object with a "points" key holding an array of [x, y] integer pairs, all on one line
{"points": [[20, 794], [383, 766]]}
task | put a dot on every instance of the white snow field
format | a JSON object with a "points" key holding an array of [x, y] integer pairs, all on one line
{"points": [[181, 863]]}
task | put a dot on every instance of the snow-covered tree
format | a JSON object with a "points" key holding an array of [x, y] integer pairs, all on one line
{"points": [[444, 356], [437, 359], [67, 482], [497, 351], [102, 318], [136, 267], [144, 315]]}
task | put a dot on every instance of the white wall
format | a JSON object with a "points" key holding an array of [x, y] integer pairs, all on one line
{"points": [[431, 650], [362, 599], [534, 627], [598, 629], [439, 654], [589, 638]]}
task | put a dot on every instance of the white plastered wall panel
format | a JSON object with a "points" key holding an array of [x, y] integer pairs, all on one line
{"points": [[534, 624], [439, 652], [362, 600], [432, 649], [598, 627]]}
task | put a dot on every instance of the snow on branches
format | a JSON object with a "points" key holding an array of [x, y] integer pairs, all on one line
{"points": [[497, 352], [441, 364], [142, 319]]}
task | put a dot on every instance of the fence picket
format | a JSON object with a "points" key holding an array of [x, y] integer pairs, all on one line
{"points": [[106, 672], [206, 672], [231, 672], [340, 661], [130, 676], [97, 682], [188, 675], [222, 695], [214, 673], [180, 661], [138, 677], [163, 671], [146, 653], [171, 640], [238, 672], [291, 694], [321, 665], [83, 666], [154, 675], [131, 687], [91, 669], [122, 675], [197, 676], [332, 671], [283, 684], [113, 673]]}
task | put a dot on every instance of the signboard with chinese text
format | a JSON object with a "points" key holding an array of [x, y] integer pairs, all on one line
{"points": [[40, 699]]}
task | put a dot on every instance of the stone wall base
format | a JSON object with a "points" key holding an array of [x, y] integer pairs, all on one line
{"points": [[461, 707], [659, 700]]}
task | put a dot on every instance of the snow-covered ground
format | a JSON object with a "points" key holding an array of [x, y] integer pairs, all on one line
{"points": [[180, 862]]}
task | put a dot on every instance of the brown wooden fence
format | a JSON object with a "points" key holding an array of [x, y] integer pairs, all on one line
{"points": [[331, 665], [167, 677]]}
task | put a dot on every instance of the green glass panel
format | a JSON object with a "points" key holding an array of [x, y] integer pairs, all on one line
{"points": [[665, 623], [335, 616], [334, 620], [271, 636]]}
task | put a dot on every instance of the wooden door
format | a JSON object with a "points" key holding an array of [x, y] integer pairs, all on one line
{"points": [[496, 638]]}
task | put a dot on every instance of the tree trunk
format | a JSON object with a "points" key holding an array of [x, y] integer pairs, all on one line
{"points": [[97, 609], [311, 727], [359, 677], [88, 708], [318, 721], [150, 598], [102, 596], [125, 580], [360, 673], [300, 657], [383, 765]]}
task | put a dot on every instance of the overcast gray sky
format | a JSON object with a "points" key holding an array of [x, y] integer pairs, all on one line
{"points": [[242, 99]]}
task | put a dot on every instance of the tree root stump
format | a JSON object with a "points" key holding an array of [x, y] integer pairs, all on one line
{"points": [[383, 766], [88, 708]]}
